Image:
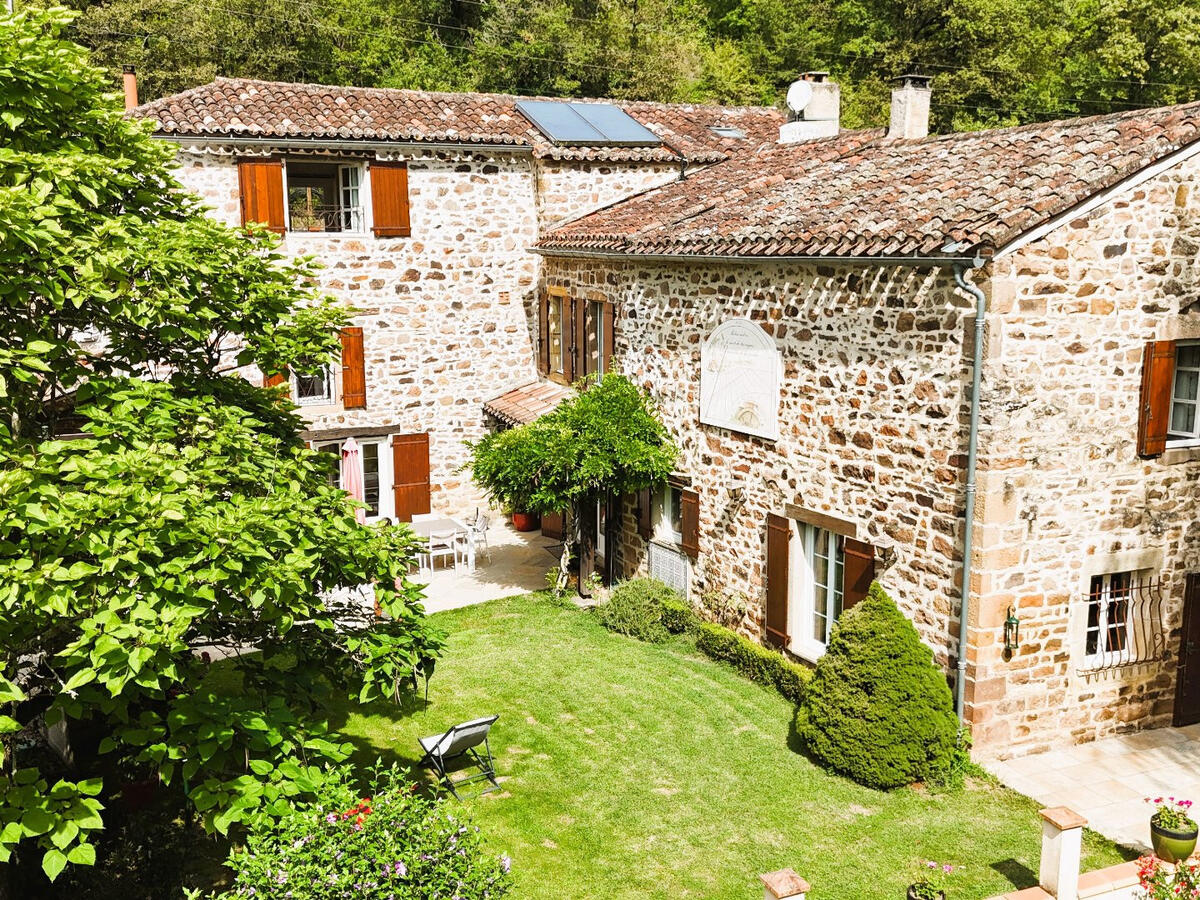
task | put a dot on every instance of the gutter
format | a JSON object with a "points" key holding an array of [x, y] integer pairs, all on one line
{"points": [[323, 144], [964, 606], [966, 262]]}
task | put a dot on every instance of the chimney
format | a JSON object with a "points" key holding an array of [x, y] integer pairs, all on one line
{"points": [[815, 103], [131, 99], [910, 108]]}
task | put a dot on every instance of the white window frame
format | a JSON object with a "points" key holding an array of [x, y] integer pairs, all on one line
{"points": [[322, 400], [595, 317], [387, 497], [364, 196], [1176, 438], [803, 587], [1104, 657], [664, 531]]}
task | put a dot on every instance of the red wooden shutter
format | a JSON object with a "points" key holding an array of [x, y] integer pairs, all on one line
{"points": [[858, 571], [389, 199], [689, 514], [260, 182], [1158, 382], [410, 475], [644, 514], [544, 335], [354, 371], [779, 534], [610, 334], [272, 380]]}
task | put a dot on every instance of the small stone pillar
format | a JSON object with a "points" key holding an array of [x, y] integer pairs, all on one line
{"points": [[1062, 845], [784, 885]]}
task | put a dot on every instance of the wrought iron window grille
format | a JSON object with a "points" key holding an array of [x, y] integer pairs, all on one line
{"points": [[1123, 623]]}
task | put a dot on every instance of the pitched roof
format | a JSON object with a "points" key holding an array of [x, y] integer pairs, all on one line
{"points": [[238, 107], [861, 195], [527, 403]]}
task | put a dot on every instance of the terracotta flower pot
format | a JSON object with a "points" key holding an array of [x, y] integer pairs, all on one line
{"points": [[1172, 846], [526, 521]]}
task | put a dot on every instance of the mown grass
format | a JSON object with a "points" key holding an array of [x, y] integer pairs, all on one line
{"points": [[632, 770]]}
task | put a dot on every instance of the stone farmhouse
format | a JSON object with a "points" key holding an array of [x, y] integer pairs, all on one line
{"points": [[807, 316], [966, 366], [422, 208]]}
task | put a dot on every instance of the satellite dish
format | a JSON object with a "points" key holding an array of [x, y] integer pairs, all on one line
{"points": [[799, 95]]}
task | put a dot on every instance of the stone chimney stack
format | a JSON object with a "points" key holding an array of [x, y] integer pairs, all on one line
{"points": [[815, 105], [910, 108], [131, 98]]}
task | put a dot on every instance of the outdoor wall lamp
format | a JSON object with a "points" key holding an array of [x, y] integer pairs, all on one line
{"points": [[1012, 633], [736, 489]]}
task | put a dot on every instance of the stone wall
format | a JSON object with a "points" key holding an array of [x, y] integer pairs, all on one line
{"points": [[447, 314], [1063, 493], [873, 395]]}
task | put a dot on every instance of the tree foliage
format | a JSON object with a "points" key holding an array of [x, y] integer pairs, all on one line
{"points": [[877, 709], [187, 520], [993, 61], [605, 441]]}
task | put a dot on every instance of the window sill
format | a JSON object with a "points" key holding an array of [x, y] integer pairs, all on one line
{"points": [[1180, 453], [809, 651], [328, 234]]}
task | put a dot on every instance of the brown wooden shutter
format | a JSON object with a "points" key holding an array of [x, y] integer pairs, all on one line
{"points": [[544, 335], [579, 356], [410, 475], [272, 380], [689, 514], [610, 336], [1158, 382], [858, 571], [260, 182], [553, 525], [645, 514], [779, 534], [389, 199], [354, 370]]}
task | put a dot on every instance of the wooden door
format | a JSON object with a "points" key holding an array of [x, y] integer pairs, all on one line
{"points": [[1187, 688], [410, 475]]}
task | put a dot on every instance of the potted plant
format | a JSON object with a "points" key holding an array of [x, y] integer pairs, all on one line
{"points": [[929, 881], [1172, 830]]}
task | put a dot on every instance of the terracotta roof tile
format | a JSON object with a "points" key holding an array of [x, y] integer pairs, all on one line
{"points": [[861, 195], [522, 405], [239, 107]]}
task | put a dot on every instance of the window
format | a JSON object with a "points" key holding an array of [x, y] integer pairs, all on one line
{"points": [[313, 389], [1109, 623], [1185, 394], [369, 460], [817, 589], [324, 196], [668, 515], [597, 352]]}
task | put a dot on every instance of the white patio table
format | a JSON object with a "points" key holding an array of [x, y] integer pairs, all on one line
{"points": [[430, 526]]}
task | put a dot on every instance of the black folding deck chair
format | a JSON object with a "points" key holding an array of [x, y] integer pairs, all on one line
{"points": [[459, 743]]}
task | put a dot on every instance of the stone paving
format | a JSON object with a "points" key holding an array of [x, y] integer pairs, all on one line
{"points": [[1107, 781], [517, 565]]}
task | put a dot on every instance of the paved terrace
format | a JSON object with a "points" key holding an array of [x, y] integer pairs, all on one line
{"points": [[1107, 781]]}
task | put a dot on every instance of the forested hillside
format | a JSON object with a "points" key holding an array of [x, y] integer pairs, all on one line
{"points": [[994, 61]]}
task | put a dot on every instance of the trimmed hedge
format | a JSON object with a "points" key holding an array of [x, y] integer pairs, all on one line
{"points": [[753, 660], [878, 710], [677, 616]]}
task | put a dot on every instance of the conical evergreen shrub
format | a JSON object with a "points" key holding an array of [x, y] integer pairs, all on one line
{"points": [[877, 709]]}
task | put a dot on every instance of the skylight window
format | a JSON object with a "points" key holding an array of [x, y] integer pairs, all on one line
{"points": [[728, 131], [590, 124]]}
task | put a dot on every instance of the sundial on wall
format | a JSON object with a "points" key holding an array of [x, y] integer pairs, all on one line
{"points": [[740, 371]]}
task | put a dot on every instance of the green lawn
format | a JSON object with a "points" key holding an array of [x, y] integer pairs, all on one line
{"points": [[631, 770]]}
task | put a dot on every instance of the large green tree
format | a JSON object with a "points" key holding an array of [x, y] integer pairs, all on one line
{"points": [[185, 520]]}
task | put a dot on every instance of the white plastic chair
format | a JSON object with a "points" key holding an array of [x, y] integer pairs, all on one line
{"points": [[443, 543], [477, 534]]}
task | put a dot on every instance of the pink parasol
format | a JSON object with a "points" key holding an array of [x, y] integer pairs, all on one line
{"points": [[352, 476]]}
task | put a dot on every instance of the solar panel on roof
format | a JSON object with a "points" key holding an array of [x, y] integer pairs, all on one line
{"points": [[587, 123]]}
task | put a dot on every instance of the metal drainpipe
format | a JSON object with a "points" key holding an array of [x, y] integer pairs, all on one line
{"points": [[964, 608]]}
